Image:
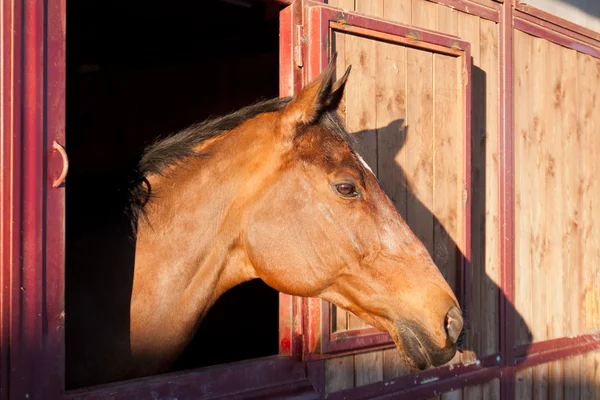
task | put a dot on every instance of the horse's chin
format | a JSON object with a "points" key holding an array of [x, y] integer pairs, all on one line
{"points": [[418, 352]]}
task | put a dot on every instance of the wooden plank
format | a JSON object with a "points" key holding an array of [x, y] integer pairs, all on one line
{"points": [[373, 8], [554, 188], [447, 145], [552, 161], [556, 381], [491, 390], [533, 191], [393, 365], [489, 194], [473, 392], [587, 377], [419, 145], [424, 14], [456, 394], [540, 382], [398, 11], [566, 105], [345, 4], [596, 357], [523, 384], [368, 368], [391, 121], [447, 20], [525, 148], [571, 377], [469, 29], [361, 108], [587, 124], [339, 373]]}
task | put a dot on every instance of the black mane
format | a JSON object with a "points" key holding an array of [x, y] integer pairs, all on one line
{"points": [[173, 149]]}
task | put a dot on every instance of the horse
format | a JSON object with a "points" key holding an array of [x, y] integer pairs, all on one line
{"points": [[275, 191]]}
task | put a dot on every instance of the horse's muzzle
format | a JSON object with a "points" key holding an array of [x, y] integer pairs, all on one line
{"points": [[420, 350]]}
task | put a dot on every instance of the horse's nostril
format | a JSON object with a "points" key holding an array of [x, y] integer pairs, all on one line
{"points": [[453, 324]]}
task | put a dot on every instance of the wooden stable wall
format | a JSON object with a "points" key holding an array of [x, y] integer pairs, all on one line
{"points": [[557, 122], [402, 143]]}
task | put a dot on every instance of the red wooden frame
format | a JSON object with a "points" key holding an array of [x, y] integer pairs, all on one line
{"points": [[321, 22], [558, 22]]}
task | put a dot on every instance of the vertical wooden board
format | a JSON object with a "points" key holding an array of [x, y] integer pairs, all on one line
{"points": [[393, 365], [565, 102], [373, 8], [587, 376], [491, 390], [360, 96], [533, 179], [594, 127], [368, 368], [398, 11], [339, 319], [361, 108], [452, 395], [473, 392], [391, 121], [339, 373], [345, 4], [540, 382], [556, 381], [489, 185], [525, 145], [419, 145], [588, 115], [447, 19], [571, 377], [424, 14], [469, 30], [554, 214], [596, 357], [448, 144], [523, 384]]}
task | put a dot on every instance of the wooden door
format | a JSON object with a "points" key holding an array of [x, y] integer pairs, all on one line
{"points": [[408, 101]]}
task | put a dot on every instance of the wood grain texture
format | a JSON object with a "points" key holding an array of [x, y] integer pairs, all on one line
{"points": [[486, 188], [398, 11], [368, 368], [419, 143], [345, 4], [339, 373], [447, 164], [391, 121], [393, 365], [523, 86], [424, 14], [469, 29], [523, 384]]}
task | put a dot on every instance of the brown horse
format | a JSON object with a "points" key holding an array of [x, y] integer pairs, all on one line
{"points": [[275, 191]]}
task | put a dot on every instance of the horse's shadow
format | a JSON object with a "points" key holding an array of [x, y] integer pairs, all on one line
{"points": [[480, 285]]}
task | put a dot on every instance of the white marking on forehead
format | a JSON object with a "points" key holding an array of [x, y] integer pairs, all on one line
{"points": [[365, 164]]}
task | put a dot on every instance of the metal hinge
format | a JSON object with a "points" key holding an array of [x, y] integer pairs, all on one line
{"points": [[299, 47]]}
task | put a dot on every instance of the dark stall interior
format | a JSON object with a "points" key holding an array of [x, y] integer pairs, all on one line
{"points": [[137, 70]]}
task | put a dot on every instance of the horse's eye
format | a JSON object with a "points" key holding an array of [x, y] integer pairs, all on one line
{"points": [[346, 189]]}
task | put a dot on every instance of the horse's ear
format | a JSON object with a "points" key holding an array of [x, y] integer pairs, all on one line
{"points": [[318, 96]]}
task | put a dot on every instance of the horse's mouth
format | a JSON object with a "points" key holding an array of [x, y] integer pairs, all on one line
{"points": [[419, 353]]}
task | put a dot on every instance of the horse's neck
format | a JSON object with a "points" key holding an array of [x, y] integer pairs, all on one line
{"points": [[185, 259]]}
